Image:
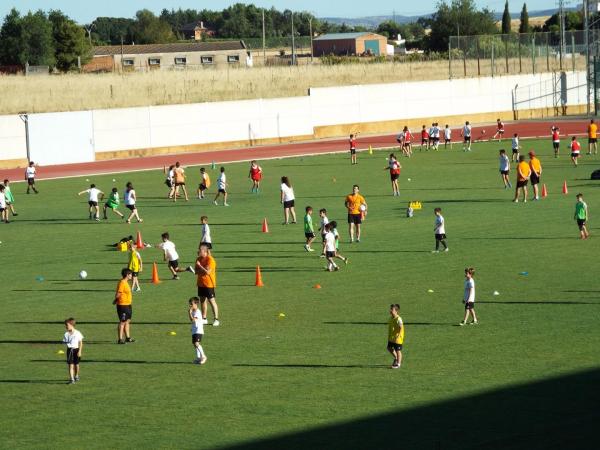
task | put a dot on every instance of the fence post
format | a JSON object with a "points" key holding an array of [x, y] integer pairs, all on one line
{"points": [[520, 62], [449, 59], [465, 60], [478, 65], [533, 53], [573, 51], [547, 53], [506, 53], [492, 56]]}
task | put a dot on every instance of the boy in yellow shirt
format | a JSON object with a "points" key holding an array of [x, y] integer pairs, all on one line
{"points": [[395, 335]]}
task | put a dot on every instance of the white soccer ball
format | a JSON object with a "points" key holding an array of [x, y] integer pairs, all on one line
{"points": [[83, 275], [363, 208]]}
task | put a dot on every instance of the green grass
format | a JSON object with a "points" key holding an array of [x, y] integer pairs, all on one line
{"points": [[325, 363]]}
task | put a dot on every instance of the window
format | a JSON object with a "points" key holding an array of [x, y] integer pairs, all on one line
{"points": [[233, 58], [207, 60], [180, 61], [154, 61], [128, 62]]}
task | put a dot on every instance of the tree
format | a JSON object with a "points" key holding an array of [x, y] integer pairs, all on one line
{"points": [[110, 30], [573, 21], [70, 42], [506, 19], [37, 35], [149, 29], [524, 25], [390, 29], [461, 17], [12, 44]]}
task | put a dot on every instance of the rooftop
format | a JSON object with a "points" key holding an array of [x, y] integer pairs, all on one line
{"points": [[341, 36], [185, 47]]}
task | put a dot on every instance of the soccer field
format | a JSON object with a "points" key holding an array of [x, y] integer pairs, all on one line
{"points": [[526, 377]]}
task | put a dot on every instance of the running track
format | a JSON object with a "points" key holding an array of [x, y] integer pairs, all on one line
{"points": [[526, 129]]}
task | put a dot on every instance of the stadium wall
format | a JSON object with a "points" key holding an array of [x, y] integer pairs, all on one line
{"points": [[84, 136]]}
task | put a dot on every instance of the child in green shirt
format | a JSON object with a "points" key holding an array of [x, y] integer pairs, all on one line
{"points": [[309, 230], [113, 203], [581, 216]]}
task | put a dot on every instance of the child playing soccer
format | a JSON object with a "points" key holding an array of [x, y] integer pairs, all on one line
{"points": [[130, 198], [309, 231], [10, 199], [204, 182], [135, 265], [505, 169], [221, 187], [197, 330], [469, 297], [74, 341], [424, 138], [394, 167], [255, 175], [555, 140], [171, 256], [581, 216], [94, 194], [329, 249], [179, 180], [575, 147], [499, 130], [406, 142], [323, 226], [515, 148], [333, 227], [352, 142], [30, 177], [409, 210], [395, 335], [448, 136], [112, 203], [206, 238], [439, 228], [169, 181]]}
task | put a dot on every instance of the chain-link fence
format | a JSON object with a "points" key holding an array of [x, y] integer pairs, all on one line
{"points": [[503, 54]]}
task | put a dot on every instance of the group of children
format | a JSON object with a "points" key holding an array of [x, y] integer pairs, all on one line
{"points": [[7, 201], [95, 196], [330, 238]]}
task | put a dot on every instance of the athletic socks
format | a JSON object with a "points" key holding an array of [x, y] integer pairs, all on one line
{"points": [[199, 352]]}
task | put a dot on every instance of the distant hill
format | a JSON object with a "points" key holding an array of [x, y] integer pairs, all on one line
{"points": [[374, 21]]}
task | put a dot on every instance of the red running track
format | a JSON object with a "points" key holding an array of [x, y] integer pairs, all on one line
{"points": [[525, 129]]}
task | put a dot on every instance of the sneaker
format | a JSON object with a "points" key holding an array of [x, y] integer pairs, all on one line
{"points": [[120, 341], [321, 255], [358, 241], [524, 200], [307, 248], [97, 219], [190, 269], [462, 324], [196, 361], [130, 339], [311, 249], [346, 261], [475, 323], [77, 378], [446, 249], [336, 268], [395, 365], [204, 322], [516, 200], [215, 202], [435, 251], [176, 277], [71, 382], [225, 204], [203, 360], [216, 323]]}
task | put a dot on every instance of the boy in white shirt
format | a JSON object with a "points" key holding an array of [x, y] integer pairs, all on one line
{"points": [[505, 169], [469, 297], [447, 136], [222, 187], [466, 134], [439, 228], [30, 177], [329, 249], [3, 207], [322, 226], [171, 256], [94, 194], [74, 341], [515, 148], [195, 316], [206, 239]]}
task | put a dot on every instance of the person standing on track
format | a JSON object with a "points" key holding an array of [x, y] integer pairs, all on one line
{"points": [[523, 174], [592, 137], [352, 142], [356, 205], [394, 167], [499, 130], [255, 175], [575, 149], [466, 134], [536, 172], [30, 177]]}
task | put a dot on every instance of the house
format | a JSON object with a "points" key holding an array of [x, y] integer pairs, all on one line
{"points": [[195, 31], [364, 43], [168, 56]]}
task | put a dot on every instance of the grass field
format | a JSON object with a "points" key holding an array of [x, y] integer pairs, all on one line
{"points": [[526, 377]]}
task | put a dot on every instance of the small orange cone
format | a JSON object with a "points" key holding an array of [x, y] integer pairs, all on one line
{"points": [[139, 244], [317, 286], [265, 226], [259, 281], [544, 191], [565, 189], [155, 279]]}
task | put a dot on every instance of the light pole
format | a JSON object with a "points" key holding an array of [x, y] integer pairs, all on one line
{"points": [[293, 43], [311, 38]]}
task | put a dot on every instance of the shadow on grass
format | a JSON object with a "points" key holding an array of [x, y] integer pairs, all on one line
{"points": [[92, 322], [218, 224], [63, 290], [517, 302], [114, 361], [519, 238], [317, 366], [555, 413], [412, 324], [49, 342], [470, 200], [33, 381]]}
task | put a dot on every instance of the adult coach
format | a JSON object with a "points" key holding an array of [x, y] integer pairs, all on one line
{"points": [[206, 272], [536, 173], [592, 137], [356, 205], [179, 178], [124, 310]]}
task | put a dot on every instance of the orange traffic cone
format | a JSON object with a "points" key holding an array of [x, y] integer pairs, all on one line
{"points": [[265, 226], [317, 286], [544, 191], [565, 189], [259, 281], [139, 244], [155, 279]]}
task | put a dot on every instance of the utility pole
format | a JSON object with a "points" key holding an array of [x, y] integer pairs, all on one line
{"points": [[561, 17], [586, 40], [293, 42], [264, 38], [311, 38]]}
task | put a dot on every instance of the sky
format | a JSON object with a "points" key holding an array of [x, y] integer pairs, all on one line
{"points": [[84, 11]]}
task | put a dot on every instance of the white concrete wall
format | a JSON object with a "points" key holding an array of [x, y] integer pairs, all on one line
{"points": [[59, 138]]}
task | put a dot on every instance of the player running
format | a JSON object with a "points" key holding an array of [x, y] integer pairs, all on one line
{"points": [[499, 130]]}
